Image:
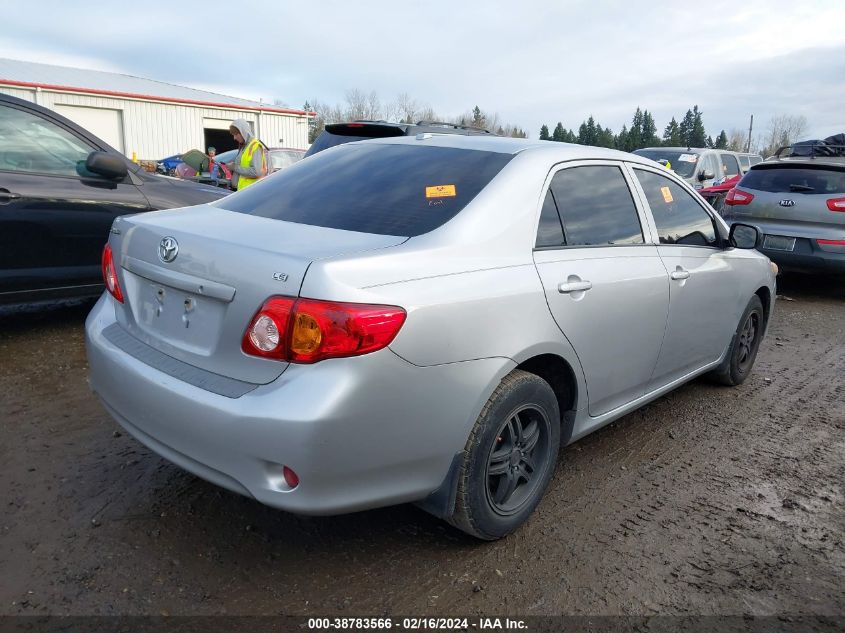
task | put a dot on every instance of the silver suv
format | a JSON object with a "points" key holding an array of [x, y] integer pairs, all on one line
{"points": [[799, 204], [700, 167]]}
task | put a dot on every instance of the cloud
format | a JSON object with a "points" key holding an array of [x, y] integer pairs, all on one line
{"points": [[532, 62]]}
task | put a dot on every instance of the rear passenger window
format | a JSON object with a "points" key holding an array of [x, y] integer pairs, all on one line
{"points": [[596, 206], [549, 233], [731, 166], [679, 218]]}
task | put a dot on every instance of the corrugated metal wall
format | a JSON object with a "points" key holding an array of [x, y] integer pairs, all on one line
{"points": [[154, 130]]}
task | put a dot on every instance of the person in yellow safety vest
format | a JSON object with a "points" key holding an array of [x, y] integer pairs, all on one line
{"points": [[250, 164]]}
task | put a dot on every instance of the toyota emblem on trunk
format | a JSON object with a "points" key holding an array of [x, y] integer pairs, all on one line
{"points": [[168, 249]]}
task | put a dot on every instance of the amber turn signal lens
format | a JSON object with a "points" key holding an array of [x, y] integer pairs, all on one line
{"points": [[306, 336]]}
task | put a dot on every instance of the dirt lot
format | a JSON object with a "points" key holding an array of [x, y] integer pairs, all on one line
{"points": [[709, 501]]}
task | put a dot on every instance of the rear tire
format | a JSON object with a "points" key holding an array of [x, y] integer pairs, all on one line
{"points": [[743, 351], [509, 458]]}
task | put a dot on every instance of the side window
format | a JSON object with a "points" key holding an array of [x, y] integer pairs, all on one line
{"points": [[596, 206], [731, 166], [714, 166], [744, 162], [679, 218], [550, 232], [29, 143]]}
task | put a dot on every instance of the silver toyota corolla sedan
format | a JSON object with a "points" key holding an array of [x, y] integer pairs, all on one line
{"points": [[419, 320]]}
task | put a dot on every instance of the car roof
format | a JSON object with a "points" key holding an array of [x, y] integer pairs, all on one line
{"points": [[557, 151], [797, 161], [689, 150]]}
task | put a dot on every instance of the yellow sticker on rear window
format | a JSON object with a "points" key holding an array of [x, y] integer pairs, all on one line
{"points": [[440, 191], [667, 195]]}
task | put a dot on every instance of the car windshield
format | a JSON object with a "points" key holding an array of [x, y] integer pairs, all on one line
{"points": [[682, 163], [792, 179], [281, 158], [402, 190]]}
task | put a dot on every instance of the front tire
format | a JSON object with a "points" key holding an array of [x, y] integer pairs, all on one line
{"points": [[746, 342], [509, 458]]}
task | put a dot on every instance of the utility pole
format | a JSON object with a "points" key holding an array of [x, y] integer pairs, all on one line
{"points": [[750, 127]]}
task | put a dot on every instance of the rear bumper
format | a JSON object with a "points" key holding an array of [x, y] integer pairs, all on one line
{"points": [[360, 432], [807, 256]]}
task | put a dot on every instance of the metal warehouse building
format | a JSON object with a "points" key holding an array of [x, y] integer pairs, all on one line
{"points": [[149, 119]]}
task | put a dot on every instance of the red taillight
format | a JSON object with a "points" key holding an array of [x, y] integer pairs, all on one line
{"points": [[267, 332], [836, 204], [738, 197], [308, 330], [110, 274], [831, 242]]}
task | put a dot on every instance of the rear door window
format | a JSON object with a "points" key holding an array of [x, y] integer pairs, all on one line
{"points": [[792, 179], [731, 167], [402, 190], [596, 206], [679, 218]]}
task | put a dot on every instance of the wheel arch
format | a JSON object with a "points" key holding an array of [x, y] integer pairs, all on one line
{"points": [[560, 375]]}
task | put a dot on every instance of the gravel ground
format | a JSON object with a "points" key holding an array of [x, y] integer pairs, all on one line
{"points": [[710, 500]]}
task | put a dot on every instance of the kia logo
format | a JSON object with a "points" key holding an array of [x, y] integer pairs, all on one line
{"points": [[168, 249], [787, 203]]}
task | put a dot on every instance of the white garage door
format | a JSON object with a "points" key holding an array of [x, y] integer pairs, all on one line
{"points": [[102, 122]]}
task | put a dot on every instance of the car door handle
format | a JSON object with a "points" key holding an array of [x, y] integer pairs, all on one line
{"points": [[5, 194], [574, 286], [679, 274]]}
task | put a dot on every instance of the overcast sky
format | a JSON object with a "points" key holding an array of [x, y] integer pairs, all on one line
{"points": [[531, 62]]}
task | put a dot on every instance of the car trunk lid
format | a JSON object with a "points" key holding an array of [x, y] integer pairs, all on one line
{"points": [[193, 279]]}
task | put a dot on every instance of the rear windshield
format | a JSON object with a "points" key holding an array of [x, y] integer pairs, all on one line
{"points": [[340, 133], [327, 140], [402, 190], [791, 179], [682, 163]]}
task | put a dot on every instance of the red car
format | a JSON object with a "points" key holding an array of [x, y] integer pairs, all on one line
{"points": [[716, 194]]}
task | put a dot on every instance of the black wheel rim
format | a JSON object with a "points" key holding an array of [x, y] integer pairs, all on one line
{"points": [[748, 341], [518, 460]]}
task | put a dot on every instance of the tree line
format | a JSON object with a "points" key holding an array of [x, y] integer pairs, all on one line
{"points": [[362, 106], [689, 132]]}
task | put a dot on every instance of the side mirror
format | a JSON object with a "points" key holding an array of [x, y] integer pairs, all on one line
{"points": [[744, 236], [106, 165], [706, 175]]}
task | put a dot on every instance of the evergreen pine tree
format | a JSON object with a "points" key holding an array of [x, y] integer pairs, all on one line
{"points": [[557, 135], [722, 140], [672, 134], [544, 133], [649, 131], [622, 139], [685, 129], [698, 137], [635, 134]]}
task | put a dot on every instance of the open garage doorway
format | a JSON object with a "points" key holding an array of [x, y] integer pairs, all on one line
{"points": [[220, 140], [216, 134]]}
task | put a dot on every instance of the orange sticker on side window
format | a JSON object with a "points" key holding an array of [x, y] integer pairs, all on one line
{"points": [[440, 191], [667, 195]]}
